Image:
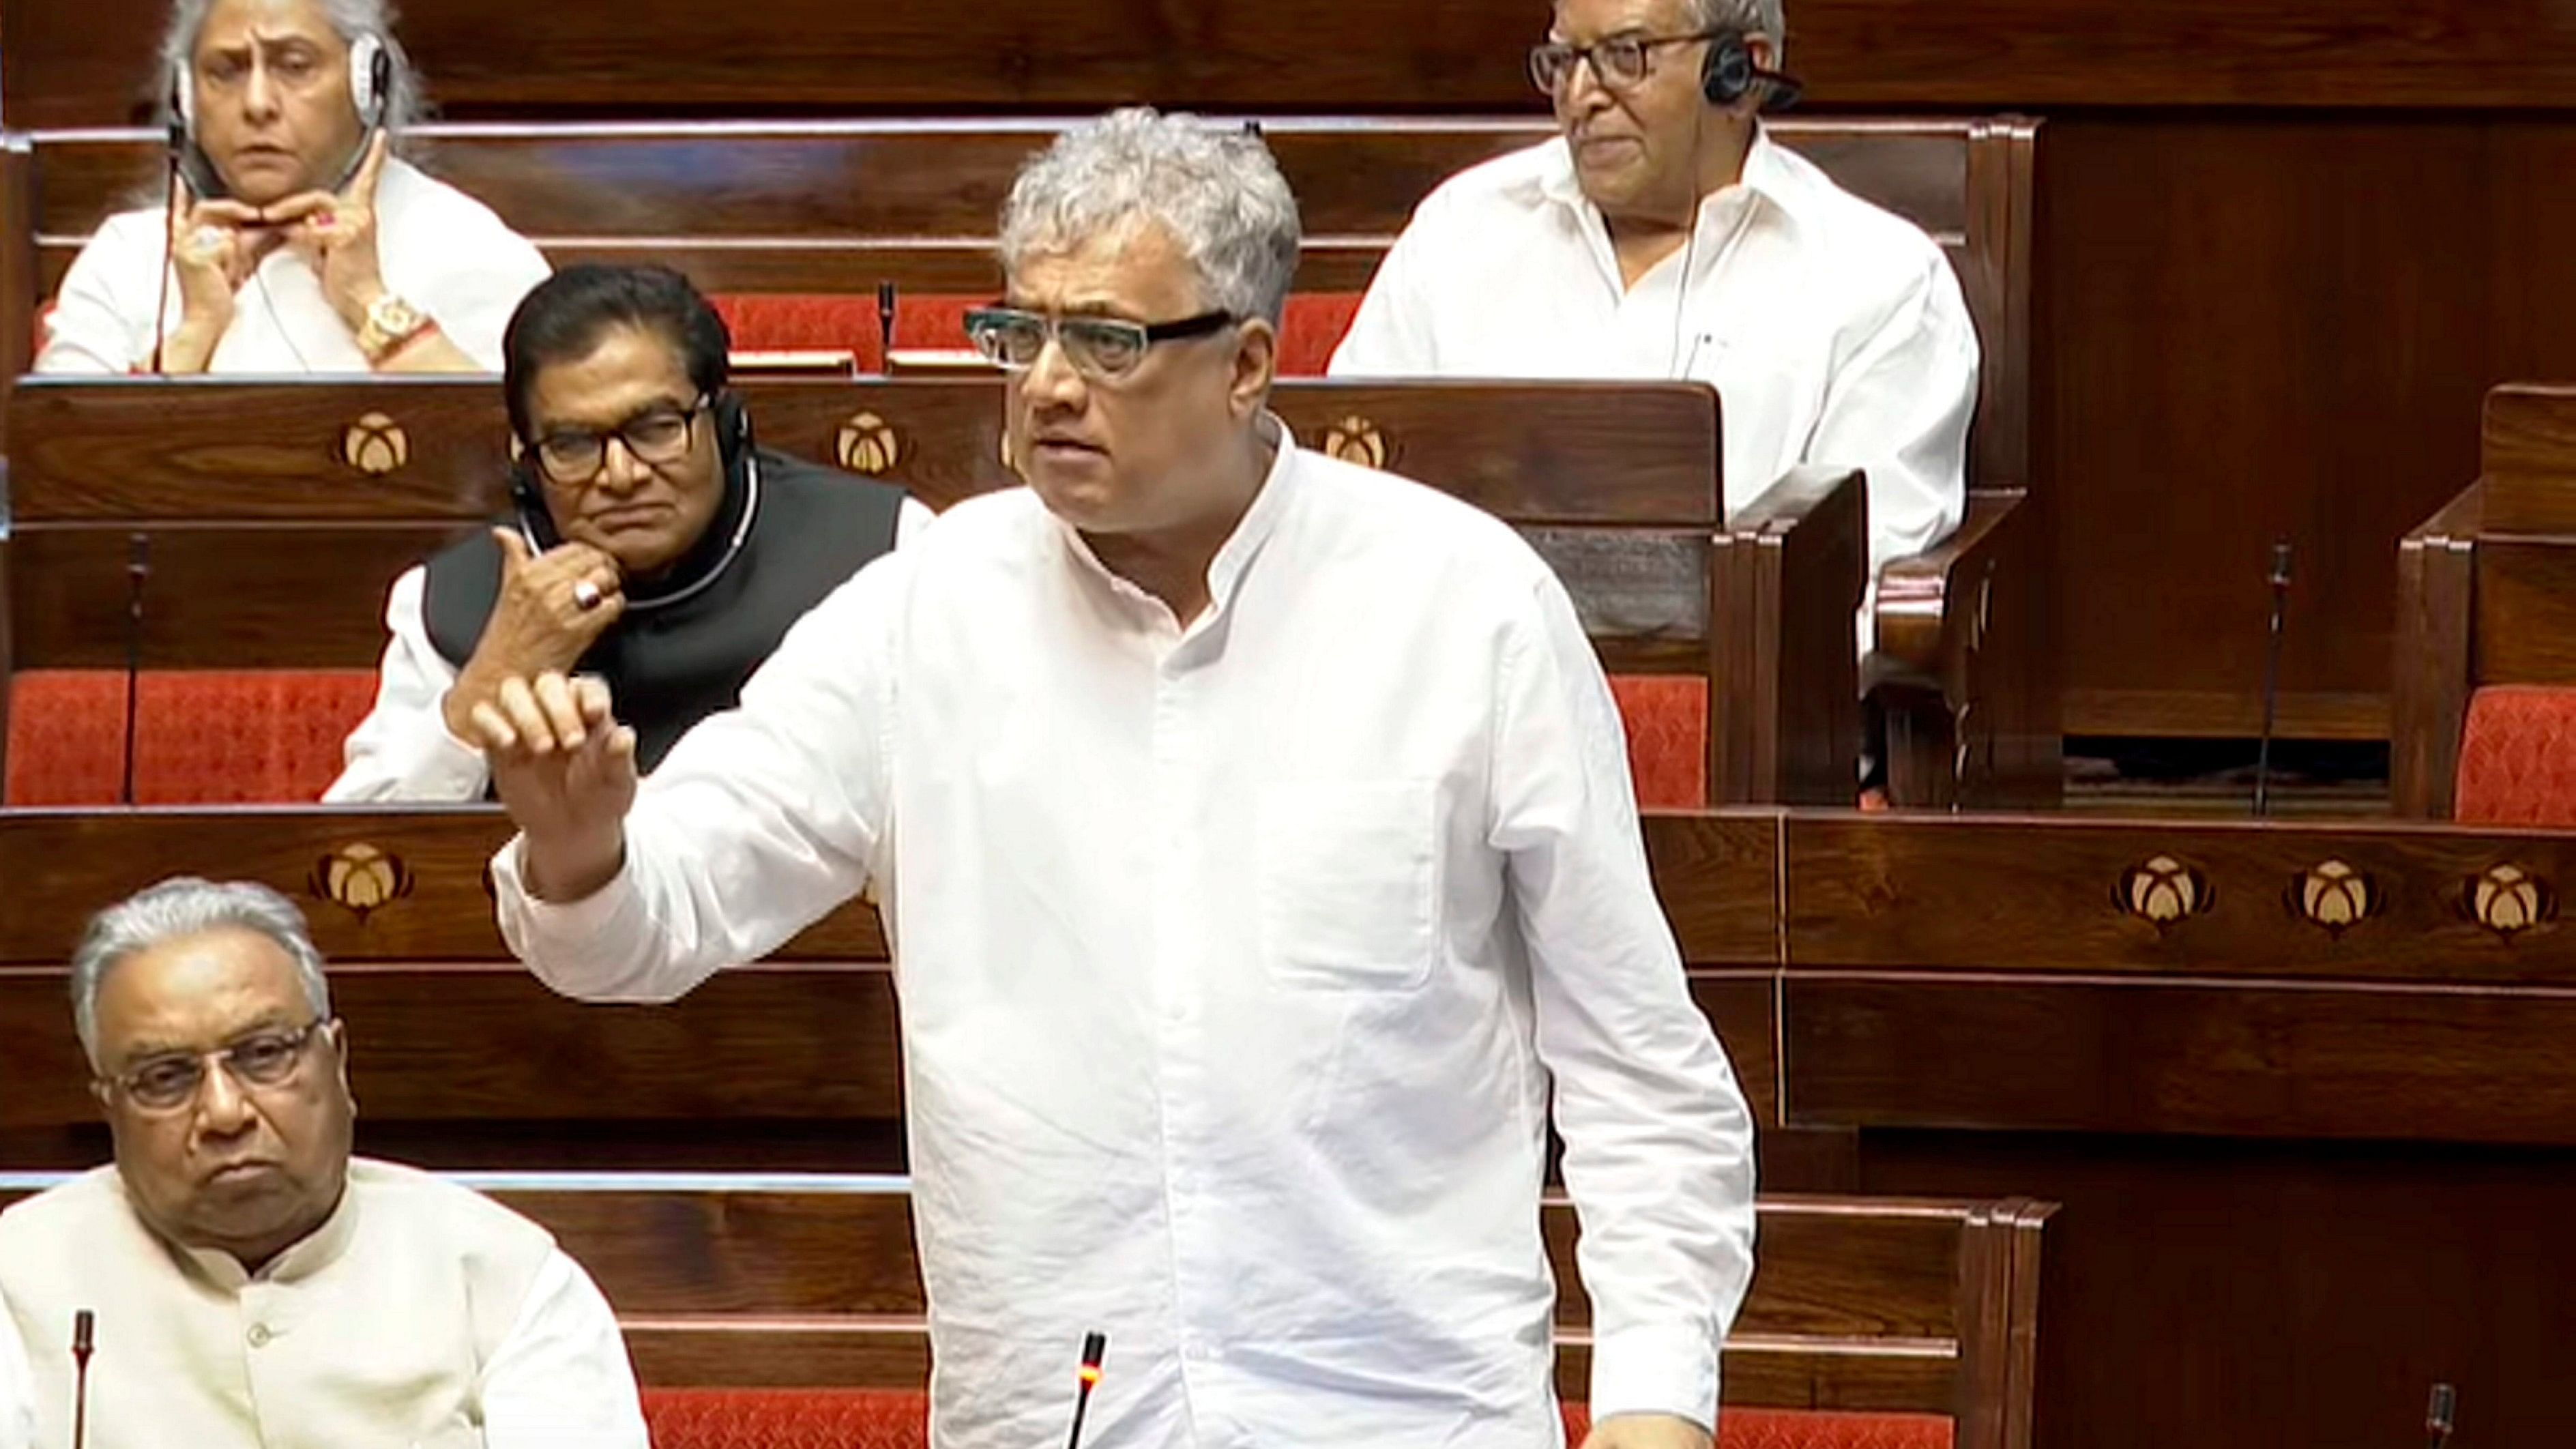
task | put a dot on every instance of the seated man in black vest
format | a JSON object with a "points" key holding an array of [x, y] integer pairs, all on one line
{"points": [[654, 545]]}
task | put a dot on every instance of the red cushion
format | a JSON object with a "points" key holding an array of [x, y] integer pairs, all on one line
{"points": [[2518, 757], [202, 737], [774, 322], [900, 1419], [1667, 720]]}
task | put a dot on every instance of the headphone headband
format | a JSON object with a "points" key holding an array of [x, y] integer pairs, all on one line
{"points": [[371, 83]]}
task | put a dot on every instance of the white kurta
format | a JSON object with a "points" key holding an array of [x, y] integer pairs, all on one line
{"points": [[420, 1314], [402, 750], [439, 249], [1834, 332], [1237, 962]]}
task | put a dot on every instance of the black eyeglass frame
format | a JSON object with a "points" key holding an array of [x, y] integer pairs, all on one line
{"points": [[296, 1040], [983, 322], [622, 433], [1540, 56]]}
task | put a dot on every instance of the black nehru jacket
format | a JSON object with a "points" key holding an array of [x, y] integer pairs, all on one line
{"points": [[688, 640]]}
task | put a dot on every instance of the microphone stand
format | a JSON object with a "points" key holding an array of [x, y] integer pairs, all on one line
{"points": [[1094, 1344], [2272, 677], [138, 567], [84, 1323], [2437, 1416], [886, 302]]}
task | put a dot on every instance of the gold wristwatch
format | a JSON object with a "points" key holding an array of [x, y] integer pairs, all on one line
{"points": [[390, 323]]}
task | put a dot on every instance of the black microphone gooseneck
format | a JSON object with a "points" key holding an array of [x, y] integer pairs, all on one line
{"points": [[2437, 1416], [1094, 1344], [2272, 677], [84, 1323], [138, 568], [886, 301]]}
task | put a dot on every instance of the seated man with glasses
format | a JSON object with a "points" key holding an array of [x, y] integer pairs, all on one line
{"points": [[1663, 234], [250, 1283], [653, 545]]}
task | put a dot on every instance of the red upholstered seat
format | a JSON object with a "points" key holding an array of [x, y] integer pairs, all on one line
{"points": [[202, 737], [1667, 720], [782, 322], [897, 1419], [2518, 757]]}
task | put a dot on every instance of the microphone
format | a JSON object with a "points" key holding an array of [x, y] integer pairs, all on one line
{"points": [[1094, 1344], [138, 567], [886, 303], [2272, 677], [2437, 1416], [83, 1322]]}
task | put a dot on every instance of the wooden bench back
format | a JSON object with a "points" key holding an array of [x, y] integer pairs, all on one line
{"points": [[838, 207], [1865, 1304]]}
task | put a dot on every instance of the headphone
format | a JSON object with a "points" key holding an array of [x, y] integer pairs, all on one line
{"points": [[371, 84], [1728, 74], [528, 492]]}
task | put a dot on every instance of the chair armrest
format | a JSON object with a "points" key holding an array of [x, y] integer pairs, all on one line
{"points": [[1929, 610], [1791, 497], [2429, 681]]}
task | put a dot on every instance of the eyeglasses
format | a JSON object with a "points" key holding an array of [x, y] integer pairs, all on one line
{"points": [[1103, 349], [1619, 62], [659, 434], [262, 1059]]}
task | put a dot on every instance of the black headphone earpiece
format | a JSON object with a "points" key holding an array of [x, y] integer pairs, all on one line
{"points": [[528, 500], [1727, 75]]}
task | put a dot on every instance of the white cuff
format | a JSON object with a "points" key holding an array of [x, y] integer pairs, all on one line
{"points": [[453, 769], [528, 923], [1656, 1369]]}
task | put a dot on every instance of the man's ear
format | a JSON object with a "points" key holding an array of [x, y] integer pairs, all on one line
{"points": [[1256, 367]]}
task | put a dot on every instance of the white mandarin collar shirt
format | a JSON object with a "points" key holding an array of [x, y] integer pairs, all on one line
{"points": [[1834, 332], [439, 249], [1241, 962]]}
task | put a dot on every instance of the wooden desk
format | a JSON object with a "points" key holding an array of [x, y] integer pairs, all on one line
{"points": [[276, 515], [2315, 1128]]}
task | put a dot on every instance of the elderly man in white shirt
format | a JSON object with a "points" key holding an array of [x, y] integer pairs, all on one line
{"points": [[1664, 235], [295, 242], [1256, 839], [252, 1286]]}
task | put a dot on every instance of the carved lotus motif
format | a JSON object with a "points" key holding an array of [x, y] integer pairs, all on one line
{"points": [[2164, 892], [2334, 897], [1356, 440], [2508, 900], [375, 445], [360, 879], [868, 444]]}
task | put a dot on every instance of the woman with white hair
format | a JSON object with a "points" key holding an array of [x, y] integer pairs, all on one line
{"points": [[293, 240]]}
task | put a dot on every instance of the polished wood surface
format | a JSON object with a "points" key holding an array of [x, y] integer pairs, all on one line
{"points": [[269, 540], [2486, 590], [90, 65]]}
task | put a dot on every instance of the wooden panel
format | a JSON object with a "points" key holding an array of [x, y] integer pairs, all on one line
{"points": [[463, 1043], [2524, 629], [2181, 1057], [68, 65], [1743, 1007], [1967, 894], [61, 866], [1718, 879], [315, 599], [2429, 695]]}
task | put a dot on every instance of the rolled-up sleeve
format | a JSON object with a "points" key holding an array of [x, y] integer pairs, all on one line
{"points": [[1658, 1140], [759, 821]]}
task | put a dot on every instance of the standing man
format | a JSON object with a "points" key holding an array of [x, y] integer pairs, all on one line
{"points": [[1663, 234], [296, 241], [1256, 834]]}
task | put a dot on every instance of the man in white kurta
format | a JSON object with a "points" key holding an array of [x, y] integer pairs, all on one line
{"points": [[1834, 332], [252, 1286], [1244, 942]]}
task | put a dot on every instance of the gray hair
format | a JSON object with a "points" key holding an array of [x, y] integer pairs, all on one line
{"points": [[405, 106], [187, 906], [1215, 188], [1751, 17]]}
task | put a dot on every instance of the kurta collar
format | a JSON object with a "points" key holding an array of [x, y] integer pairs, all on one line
{"points": [[315, 1252], [1234, 559]]}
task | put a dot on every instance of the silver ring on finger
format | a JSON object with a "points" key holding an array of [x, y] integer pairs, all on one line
{"points": [[586, 595]]}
